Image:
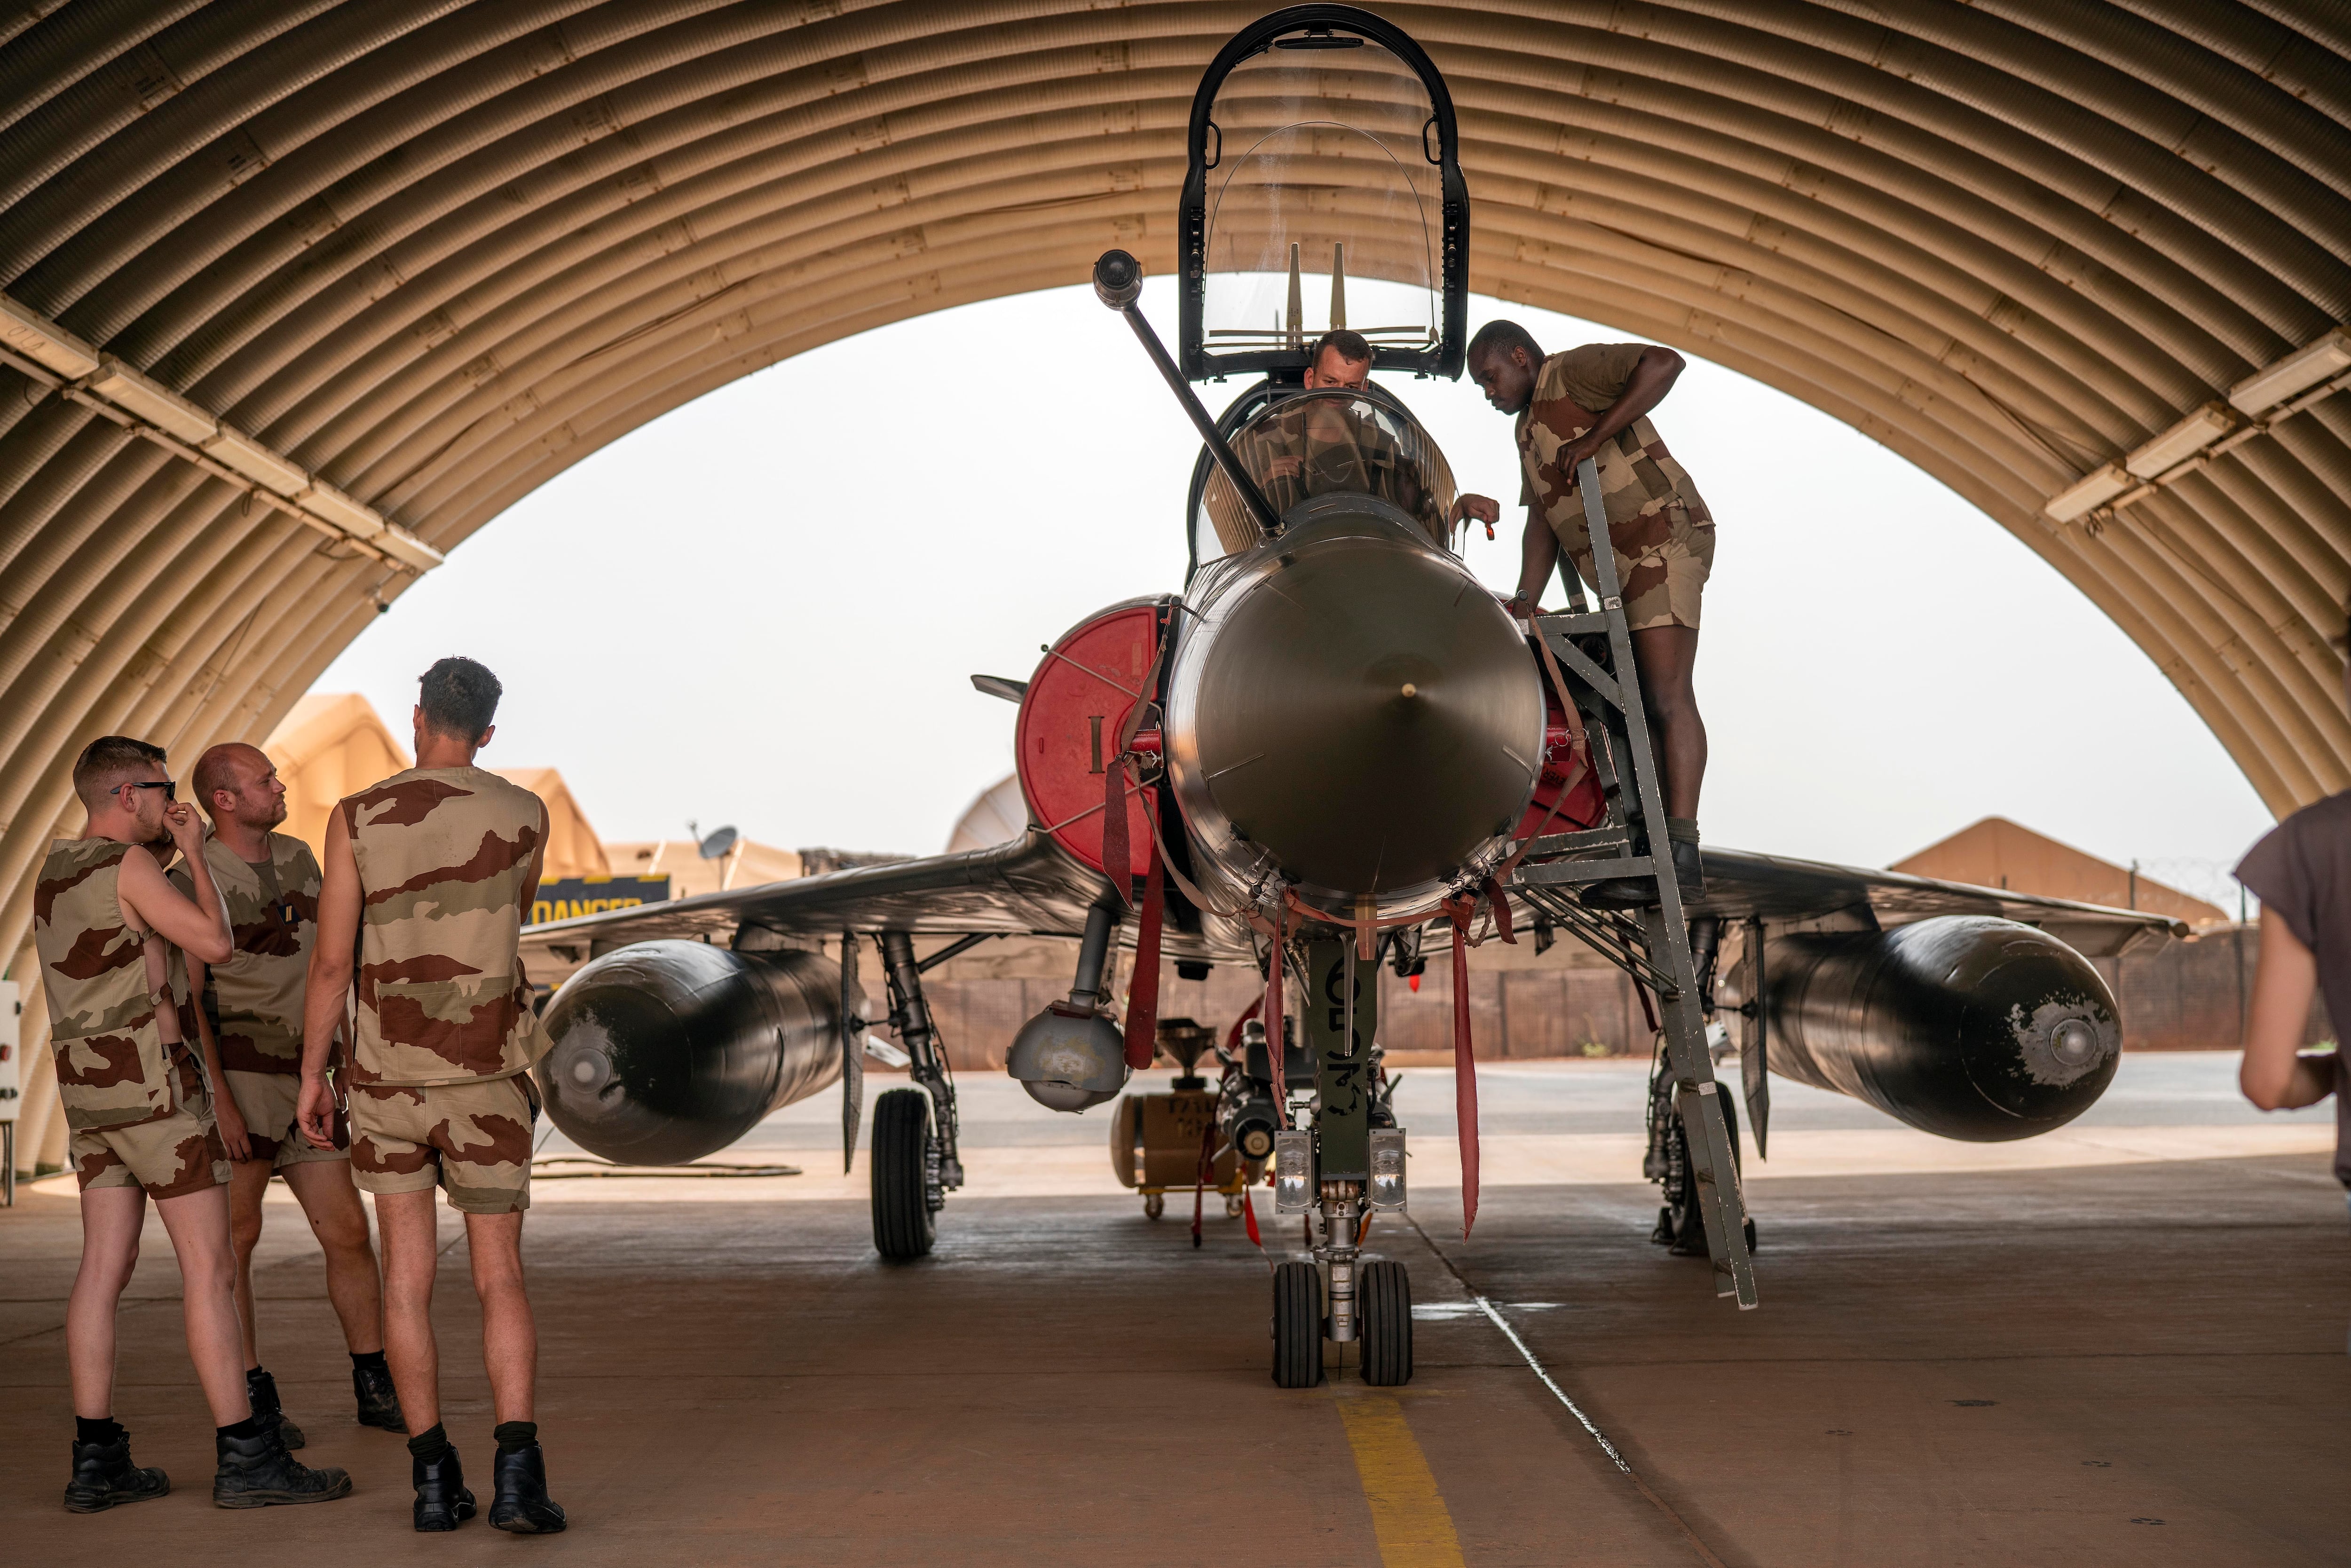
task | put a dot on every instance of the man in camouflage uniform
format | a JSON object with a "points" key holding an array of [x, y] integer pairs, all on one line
{"points": [[428, 876], [250, 1019], [110, 930], [1593, 401]]}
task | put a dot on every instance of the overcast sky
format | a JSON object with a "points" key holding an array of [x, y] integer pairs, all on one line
{"points": [[762, 609]]}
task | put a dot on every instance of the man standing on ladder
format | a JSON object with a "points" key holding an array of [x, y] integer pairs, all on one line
{"points": [[1593, 401]]}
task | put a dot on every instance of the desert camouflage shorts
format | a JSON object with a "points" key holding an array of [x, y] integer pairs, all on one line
{"points": [[267, 1100], [171, 1157], [472, 1139], [1663, 560]]}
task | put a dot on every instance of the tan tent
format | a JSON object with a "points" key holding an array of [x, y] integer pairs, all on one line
{"points": [[572, 847], [1996, 853], [747, 864], [330, 745]]}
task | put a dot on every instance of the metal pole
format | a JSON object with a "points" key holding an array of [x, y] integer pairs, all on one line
{"points": [[1118, 282]]}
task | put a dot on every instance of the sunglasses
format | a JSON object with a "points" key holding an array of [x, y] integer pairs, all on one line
{"points": [[169, 787]]}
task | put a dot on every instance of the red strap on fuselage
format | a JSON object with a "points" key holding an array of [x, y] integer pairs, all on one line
{"points": [[1142, 991]]}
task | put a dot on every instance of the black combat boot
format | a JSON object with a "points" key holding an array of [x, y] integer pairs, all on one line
{"points": [[1690, 866], [378, 1401], [103, 1475], [522, 1504], [441, 1500], [1641, 892], [255, 1470], [261, 1390]]}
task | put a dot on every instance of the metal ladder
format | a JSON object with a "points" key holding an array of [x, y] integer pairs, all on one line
{"points": [[1610, 699]]}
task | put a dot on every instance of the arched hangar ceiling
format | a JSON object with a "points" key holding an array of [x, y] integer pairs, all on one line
{"points": [[432, 253]]}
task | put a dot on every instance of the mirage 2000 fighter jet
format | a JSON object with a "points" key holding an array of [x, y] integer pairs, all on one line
{"points": [[1334, 749]]}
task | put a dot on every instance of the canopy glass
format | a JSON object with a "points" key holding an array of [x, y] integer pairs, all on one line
{"points": [[1321, 443]]}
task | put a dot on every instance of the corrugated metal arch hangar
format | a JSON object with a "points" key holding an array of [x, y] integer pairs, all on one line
{"points": [[300, 293]]}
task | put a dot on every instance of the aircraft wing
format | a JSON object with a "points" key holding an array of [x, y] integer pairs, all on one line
{"points": [[1741, 885], [1028, 886]]}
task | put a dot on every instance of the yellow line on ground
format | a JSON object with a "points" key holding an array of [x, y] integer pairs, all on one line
{"points": [[1409, 1514]]}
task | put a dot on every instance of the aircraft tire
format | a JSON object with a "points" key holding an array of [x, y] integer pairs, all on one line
{"points": [[903, 1226], [1297, 1325], [1384, 1297]]}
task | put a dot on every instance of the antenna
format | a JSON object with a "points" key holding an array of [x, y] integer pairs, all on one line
{"points": [[717, 843], [1297, 301], [1338, 284]]}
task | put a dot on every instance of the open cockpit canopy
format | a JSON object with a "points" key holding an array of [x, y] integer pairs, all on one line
{"points": [[1322, 148]]}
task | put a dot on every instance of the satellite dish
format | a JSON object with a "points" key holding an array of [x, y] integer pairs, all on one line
{"points": [[720, 841]]}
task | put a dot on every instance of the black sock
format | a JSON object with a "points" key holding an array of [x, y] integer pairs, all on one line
{"points": [[432, 1446], [368, 1360], [105, 1430], [249, 1427], [262, 1390], [513, 1436]]}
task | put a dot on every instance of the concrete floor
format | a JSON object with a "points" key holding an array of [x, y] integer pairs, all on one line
{"points": [[2114, 1356]]}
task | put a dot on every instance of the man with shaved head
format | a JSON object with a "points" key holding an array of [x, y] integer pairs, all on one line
{"points": [[250, 1023]]}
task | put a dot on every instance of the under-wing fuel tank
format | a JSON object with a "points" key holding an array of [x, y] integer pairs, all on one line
{"points": [[1964, 1026], [666, 1052]]}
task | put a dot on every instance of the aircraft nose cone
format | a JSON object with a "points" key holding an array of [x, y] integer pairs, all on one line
{"points": [[1369, 717]]}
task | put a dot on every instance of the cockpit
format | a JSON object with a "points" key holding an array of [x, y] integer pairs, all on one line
{"points": [[1321, 442], [1323, 191]]}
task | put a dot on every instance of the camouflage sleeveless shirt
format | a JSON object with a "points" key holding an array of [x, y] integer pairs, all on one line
{"points": [[114, 1069], [442, 856], [1639, 478], [254, 1000]]}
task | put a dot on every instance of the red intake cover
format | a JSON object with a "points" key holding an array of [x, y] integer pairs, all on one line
{"points": [[1077, 705], [1585, 806]]}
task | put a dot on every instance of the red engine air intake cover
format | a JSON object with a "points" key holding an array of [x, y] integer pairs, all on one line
{"points": [[1067, 736], [1583, 805]]}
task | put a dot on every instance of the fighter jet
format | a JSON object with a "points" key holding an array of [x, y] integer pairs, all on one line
{"points": [[1334, 749]]}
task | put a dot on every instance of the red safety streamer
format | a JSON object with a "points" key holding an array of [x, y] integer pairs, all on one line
{"points": [[1465, 1064], [1142, 991], [1118, 861], [1249, 1213]]}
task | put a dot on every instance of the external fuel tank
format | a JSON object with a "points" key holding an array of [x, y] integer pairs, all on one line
{"points": [[666, 1052], [1964, 1026]]}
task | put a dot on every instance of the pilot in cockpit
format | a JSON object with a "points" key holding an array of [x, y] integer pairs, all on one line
{"points": [[1322, 442]]}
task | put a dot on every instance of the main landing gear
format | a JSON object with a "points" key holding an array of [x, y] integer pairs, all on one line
{"points": [[913, 1159]]}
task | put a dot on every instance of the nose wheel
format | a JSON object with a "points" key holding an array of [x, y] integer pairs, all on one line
{"points": [[1297, 1325], [1384, 1318], [1387, 1307]]}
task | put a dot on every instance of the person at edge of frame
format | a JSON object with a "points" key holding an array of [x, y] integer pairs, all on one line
{"points": [[2300, 871], [1593, 401], [428, 877], [112, 933], [250, 1019]]}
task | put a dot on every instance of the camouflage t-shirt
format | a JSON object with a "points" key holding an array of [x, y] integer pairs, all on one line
{"points": [[442, 856], [1638, 477], [254, 1000], [114, 1067]]}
